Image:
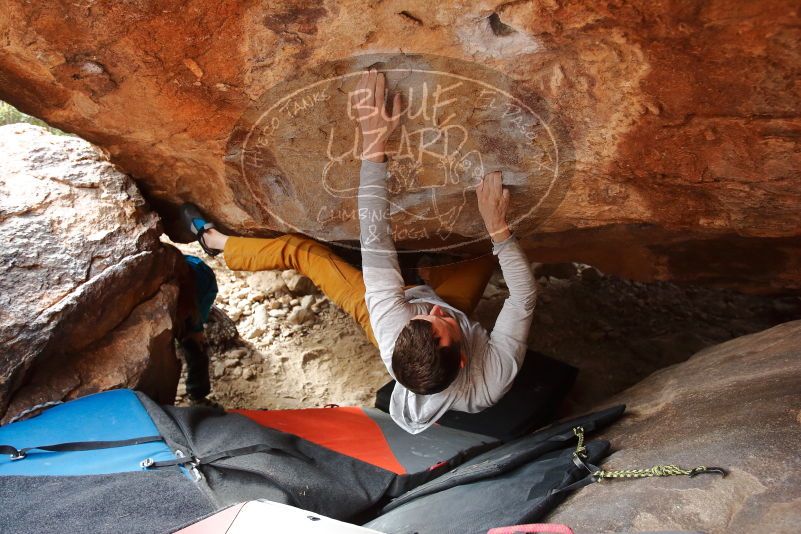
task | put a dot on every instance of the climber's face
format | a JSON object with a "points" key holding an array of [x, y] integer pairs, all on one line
{"points": [[445, 327]]}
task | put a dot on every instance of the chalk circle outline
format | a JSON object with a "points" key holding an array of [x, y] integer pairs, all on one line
{"points": [[460, 244]]}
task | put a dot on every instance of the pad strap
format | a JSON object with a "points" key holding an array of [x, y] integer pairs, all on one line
{"points": [[19, 454]]}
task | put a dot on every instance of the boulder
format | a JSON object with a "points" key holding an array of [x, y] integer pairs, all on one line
{"points": [[734, 405], [81, 254], [675, 126], [220, 331], [137, 354]]}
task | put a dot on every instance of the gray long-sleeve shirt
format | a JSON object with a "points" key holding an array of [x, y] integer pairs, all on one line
{"points": [[493, 360]]}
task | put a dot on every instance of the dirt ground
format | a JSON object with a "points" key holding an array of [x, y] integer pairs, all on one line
{"points": [[284, 345]]}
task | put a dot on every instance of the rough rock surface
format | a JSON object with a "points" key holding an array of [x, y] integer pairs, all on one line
{"points": [[80, 253], [736, 405], [139, 354], [680, 119]]}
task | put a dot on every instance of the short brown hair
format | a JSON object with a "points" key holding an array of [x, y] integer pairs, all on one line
{"points": [[420, 364]]}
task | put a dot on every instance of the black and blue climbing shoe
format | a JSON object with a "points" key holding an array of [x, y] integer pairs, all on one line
{"points": [[198, 225]]}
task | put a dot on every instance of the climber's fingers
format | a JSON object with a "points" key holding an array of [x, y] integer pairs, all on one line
{"points": [[379, 92], [359, 98], [493, 182], [490, 190], [362, 83], [394, 120], [371, 88]]}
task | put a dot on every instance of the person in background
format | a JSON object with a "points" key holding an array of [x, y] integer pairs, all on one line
{"points": [[197, 291]]}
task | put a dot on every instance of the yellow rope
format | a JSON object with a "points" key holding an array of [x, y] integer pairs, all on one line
{"points": [[581, 450], [655, 471]]}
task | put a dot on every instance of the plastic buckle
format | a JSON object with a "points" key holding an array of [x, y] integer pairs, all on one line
{"points": [[191, 465], [193, 468], [147, 462], [19, 455]]}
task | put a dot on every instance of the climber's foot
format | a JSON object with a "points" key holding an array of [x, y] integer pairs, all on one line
{"points": [[205, 401], [209, 238]]}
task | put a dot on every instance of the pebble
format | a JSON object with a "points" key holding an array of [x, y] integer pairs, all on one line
{"points": [[256, 332], [219, 370], [267, 282], [307, 302], [238, 353], [248, 374], [280, 312], [261, 315], [231, 362], [298, 284], [299, 316]]}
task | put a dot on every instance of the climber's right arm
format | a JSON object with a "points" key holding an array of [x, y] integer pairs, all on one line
{"points": [[389, 312]]}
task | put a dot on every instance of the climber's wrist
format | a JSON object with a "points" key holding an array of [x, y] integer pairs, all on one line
{"points": [[374, 152], [499, 233]]}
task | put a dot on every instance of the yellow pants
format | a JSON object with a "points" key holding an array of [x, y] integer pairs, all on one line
{"points": [[460, 285]]}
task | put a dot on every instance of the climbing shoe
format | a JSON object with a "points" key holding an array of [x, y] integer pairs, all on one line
{"points": [[198, 225]]}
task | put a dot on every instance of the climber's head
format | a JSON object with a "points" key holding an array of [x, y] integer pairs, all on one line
{"points": [[428, 355]]}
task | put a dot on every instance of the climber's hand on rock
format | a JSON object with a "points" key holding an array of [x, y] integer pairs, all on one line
{"points": [[493, 201], [367, 104]]}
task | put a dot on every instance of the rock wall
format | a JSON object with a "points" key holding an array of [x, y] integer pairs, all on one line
{"points": [[736, 405], [86, 288], [676, 122]]}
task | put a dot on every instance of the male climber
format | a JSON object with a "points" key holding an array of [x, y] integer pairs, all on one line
{"points": [[440, 359]]}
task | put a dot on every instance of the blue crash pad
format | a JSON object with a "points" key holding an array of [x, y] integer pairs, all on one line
{"points": [[111, 415]]}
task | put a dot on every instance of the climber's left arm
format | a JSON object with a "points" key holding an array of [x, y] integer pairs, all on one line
{"points": [[508, 341]]}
